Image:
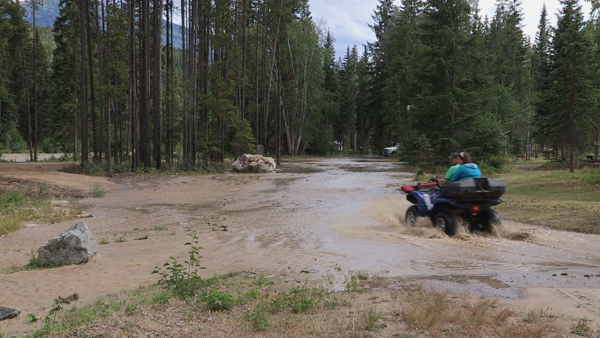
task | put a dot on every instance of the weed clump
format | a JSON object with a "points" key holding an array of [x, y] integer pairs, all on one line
{"points": [[97, 190], [218, 300]]}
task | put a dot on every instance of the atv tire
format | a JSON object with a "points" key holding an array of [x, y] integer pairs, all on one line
{"points": [[489, 220], [445, 222], [411, 216]]}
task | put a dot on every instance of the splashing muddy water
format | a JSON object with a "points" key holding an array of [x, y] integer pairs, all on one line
{"points": [[322, 215]]}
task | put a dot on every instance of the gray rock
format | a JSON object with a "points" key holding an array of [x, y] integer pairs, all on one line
{"points": [[75, 245], [8, 312]]}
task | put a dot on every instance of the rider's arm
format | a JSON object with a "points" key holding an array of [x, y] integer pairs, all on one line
{"points": [[450, 173]]}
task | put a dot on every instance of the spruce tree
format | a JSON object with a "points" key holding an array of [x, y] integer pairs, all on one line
{"points": [[571, 92]]}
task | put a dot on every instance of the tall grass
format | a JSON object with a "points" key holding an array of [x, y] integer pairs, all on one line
{"points": [[237, 305], [555, 198], [19, 206]]}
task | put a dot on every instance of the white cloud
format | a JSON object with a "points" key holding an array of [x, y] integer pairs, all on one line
{"points": [[347, 20]]}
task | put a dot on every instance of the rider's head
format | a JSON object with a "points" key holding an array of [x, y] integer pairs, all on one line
{"points": [[460, 158], [455, 159]]}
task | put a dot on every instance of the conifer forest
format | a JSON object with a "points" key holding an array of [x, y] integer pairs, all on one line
{"points": [[138, 84]]}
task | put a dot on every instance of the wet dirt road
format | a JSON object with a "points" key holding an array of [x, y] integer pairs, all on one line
{"points": [[314, 217]]}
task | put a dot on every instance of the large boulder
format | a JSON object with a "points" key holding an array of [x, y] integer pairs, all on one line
{"points": [[8, 312], [75, 245], [254, 163]]}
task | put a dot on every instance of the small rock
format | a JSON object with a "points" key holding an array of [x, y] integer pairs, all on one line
{"points": [[564, 274], [8, 312], [68, 299], [304, 271], [588, 276]]}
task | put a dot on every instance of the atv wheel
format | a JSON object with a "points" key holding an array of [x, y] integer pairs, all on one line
{"points": [[411, 216], [445, 222], [489, 220]]}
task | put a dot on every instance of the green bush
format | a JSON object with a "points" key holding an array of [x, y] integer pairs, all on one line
{"points": [[218, 300], [183, 280], [259, 319], [295, 300]]}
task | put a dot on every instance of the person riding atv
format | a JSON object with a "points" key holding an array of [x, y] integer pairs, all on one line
{"points": [[468, 202]]}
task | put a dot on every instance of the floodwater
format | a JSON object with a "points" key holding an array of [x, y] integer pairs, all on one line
{"points": [[325, 216]]}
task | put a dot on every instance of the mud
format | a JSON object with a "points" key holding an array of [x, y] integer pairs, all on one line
{"points": [[319, 217]]}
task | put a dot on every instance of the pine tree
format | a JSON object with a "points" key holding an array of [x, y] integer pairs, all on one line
{"points": [[543, 67], [570, 93], [446, 63], [402, 84]]}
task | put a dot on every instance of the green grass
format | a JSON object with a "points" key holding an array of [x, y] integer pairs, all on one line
{"points": [[20, 206], [286, 309], [555, 198]]}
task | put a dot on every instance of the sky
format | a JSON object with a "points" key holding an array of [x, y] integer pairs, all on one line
{"points": [[348, 19]]}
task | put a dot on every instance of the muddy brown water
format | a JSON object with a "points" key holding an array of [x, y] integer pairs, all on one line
{"points": [[328, 216]]}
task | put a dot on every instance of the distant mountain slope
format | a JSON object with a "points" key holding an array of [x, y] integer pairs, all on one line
{"points": [[46, 15]]}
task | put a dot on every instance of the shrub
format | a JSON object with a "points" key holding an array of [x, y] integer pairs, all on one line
{"points": [[218, 300], [183, 280], [259, 319], [97, 190]]}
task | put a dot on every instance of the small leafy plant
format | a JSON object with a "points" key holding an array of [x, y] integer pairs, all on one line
{"points": [[121, 239], [218, 300], [582, 328], [182, 279]]}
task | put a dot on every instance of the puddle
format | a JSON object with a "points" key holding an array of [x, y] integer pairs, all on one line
{"points": [[287, 169], [465, 279], [373, 169], [282, 182]]}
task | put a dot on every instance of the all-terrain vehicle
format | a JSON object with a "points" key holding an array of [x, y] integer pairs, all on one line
{"points": [[468, 202]]}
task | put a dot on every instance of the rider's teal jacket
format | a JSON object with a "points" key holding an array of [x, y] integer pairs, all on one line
{"points": [[467, 170]]}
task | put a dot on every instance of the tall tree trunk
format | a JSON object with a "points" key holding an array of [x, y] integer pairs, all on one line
{"points": [[172, 82], [597, 143], [29, 138], [185, 141], [145, 156], [168, 104], [0, 91], [275, 45], [106, 49], [83, 99], [278, 138], [133, 90], [572, 117], [193, 113], [157, 100], [35, 103], [91, 77]]}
